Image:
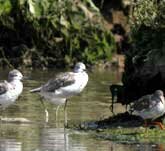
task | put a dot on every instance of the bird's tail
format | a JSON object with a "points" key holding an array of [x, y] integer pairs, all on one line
{"points": [[35, 90]]}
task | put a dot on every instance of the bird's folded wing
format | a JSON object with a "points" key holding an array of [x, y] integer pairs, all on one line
{"points": [[3, 88], [61, 80], [142, 104]]}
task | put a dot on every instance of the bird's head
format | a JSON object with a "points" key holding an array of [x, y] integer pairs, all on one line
{"points": [[159, 93], [79, 67], [15, 75]]}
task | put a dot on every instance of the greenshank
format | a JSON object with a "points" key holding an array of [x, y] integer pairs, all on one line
{"points": [[11, 89], [57, 90]]}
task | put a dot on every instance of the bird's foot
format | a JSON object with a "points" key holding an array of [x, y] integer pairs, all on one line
{"points": [[66, 125], [159, 124]]}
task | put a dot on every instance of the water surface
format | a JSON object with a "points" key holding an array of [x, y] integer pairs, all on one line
{"points": [[91, 105]]}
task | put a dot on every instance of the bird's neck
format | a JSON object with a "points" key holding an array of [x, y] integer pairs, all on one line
{"points": [[78, 71], [14, 81]]}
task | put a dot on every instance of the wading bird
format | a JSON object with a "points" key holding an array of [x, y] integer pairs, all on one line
{"points": [[117, 93], [62, 87], [11, 89], [150, 107]]}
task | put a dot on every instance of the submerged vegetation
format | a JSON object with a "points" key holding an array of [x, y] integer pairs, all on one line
{"points": [[52, 33]]}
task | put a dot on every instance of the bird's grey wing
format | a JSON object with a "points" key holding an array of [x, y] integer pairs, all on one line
{"points": [[61, 80], [154, 101], [142, 103], [3, 88]]}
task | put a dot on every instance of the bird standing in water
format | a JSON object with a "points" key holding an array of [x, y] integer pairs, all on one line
{"points": [[11, 89], [150, 107], [57, 90]]}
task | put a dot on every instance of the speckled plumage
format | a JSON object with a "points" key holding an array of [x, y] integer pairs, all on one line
{"points": [[11, 89], [150, 106], [64, 85]]}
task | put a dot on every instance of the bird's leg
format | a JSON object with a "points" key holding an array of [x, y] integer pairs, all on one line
{"points": [[145, 125], [46, 111], [111, 109], [1, 116], [65, 114], [111, 106], [154, 123], [1, 110], [46, 116], [57, 113], [159, 124]]}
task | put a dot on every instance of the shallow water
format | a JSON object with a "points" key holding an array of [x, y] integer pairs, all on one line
{"points": [[92, 104]]}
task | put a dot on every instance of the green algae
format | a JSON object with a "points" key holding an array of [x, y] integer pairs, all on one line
{"points": [[133, 135], [124, 128]]}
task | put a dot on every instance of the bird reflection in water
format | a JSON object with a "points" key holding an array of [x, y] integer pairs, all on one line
{"points": [[10, 145], [57, 139]]}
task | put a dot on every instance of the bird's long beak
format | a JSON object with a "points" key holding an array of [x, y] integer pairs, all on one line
{"points": [[162, 99]]}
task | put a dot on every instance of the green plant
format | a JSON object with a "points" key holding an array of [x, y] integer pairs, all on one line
{"points": [[54, 32]]}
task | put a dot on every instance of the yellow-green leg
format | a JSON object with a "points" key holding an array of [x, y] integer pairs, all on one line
{"points": [[65, 114], [46, 111]]}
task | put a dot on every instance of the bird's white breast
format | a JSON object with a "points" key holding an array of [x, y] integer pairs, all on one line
{"points": [[14, 90]]}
